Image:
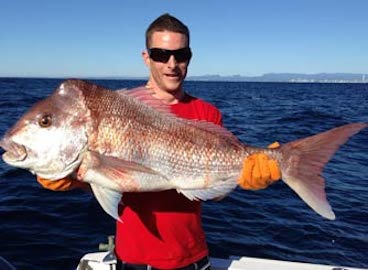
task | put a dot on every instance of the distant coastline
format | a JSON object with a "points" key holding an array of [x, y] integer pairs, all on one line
{"points": [[289, 77], [268, 77], [273, 77]]}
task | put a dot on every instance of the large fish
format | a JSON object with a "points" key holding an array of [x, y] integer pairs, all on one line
{"points": [[128, 141]]}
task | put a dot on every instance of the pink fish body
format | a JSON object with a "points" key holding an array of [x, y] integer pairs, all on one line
{"points": [[128, 141]]}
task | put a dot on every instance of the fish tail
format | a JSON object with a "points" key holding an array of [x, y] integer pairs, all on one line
{"points": [[302, 161]]}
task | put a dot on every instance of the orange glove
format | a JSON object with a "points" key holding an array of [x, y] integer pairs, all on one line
{"points": [[259, 171], [63, 184]]}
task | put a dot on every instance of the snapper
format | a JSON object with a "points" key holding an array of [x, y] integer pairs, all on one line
{"points": [[128, 141]]}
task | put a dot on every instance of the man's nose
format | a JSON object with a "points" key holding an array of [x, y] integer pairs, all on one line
{"points": [[172, 61]]}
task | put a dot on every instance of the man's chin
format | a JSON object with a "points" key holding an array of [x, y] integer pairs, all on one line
{"points": [[173, 86]]}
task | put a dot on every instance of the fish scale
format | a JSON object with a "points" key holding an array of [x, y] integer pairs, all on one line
{"points": [[166, 142]]}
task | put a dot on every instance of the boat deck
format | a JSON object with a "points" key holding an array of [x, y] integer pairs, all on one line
{"points": [[107, 260]]}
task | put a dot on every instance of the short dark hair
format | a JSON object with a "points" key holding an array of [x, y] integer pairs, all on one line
{"points": [[166, 22]]}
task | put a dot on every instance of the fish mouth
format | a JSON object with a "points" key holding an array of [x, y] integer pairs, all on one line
{"points": [[13, 152]]}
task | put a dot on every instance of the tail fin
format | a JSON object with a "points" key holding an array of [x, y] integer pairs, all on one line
{"points": [[303, 161]]}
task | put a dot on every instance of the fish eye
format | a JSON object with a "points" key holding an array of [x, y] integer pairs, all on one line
{"points": [[45, 121]]}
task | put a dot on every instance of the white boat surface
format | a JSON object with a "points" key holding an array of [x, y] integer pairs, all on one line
{"points": [[107, 260]]}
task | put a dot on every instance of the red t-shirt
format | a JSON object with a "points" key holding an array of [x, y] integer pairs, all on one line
{"points": [[164, 229]]}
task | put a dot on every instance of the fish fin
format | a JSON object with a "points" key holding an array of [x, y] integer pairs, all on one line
{"points": [[120, 175], [110, 177], [145, 95], [118, 164], [112, 166], [303, 161], [219, 190], [108, 199], [213, 129]]}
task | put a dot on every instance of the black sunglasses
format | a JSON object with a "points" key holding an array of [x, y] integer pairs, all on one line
{"points": [[163, 55]]}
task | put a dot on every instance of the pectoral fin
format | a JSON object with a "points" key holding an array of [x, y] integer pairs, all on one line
{"points": [[110, 177], [120, 175], [108, 199]]}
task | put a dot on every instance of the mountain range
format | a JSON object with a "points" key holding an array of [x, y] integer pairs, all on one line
{"points": [[288, 77]]}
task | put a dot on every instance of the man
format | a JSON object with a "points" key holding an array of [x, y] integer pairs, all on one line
{"points": [[163, 230]]}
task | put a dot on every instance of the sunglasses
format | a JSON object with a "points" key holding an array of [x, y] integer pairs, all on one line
{"points": [[163, 55]]}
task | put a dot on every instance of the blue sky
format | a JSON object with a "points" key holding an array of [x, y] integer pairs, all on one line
{"points": [[246, 37]]}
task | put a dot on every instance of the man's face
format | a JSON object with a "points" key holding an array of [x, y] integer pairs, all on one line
{"points": [[167, 76]]}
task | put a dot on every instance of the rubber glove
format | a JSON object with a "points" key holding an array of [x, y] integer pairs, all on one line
{"points": [[63, 184], [259, 171]]}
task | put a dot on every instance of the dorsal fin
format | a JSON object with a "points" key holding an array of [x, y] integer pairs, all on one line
{"points": [[145, 95], [213, 129]]}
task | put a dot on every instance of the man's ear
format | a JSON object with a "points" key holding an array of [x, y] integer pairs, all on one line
{"points": [[146, 58]]}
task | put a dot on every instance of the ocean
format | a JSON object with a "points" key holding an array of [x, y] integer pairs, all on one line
{"points": [[41, 229]]}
